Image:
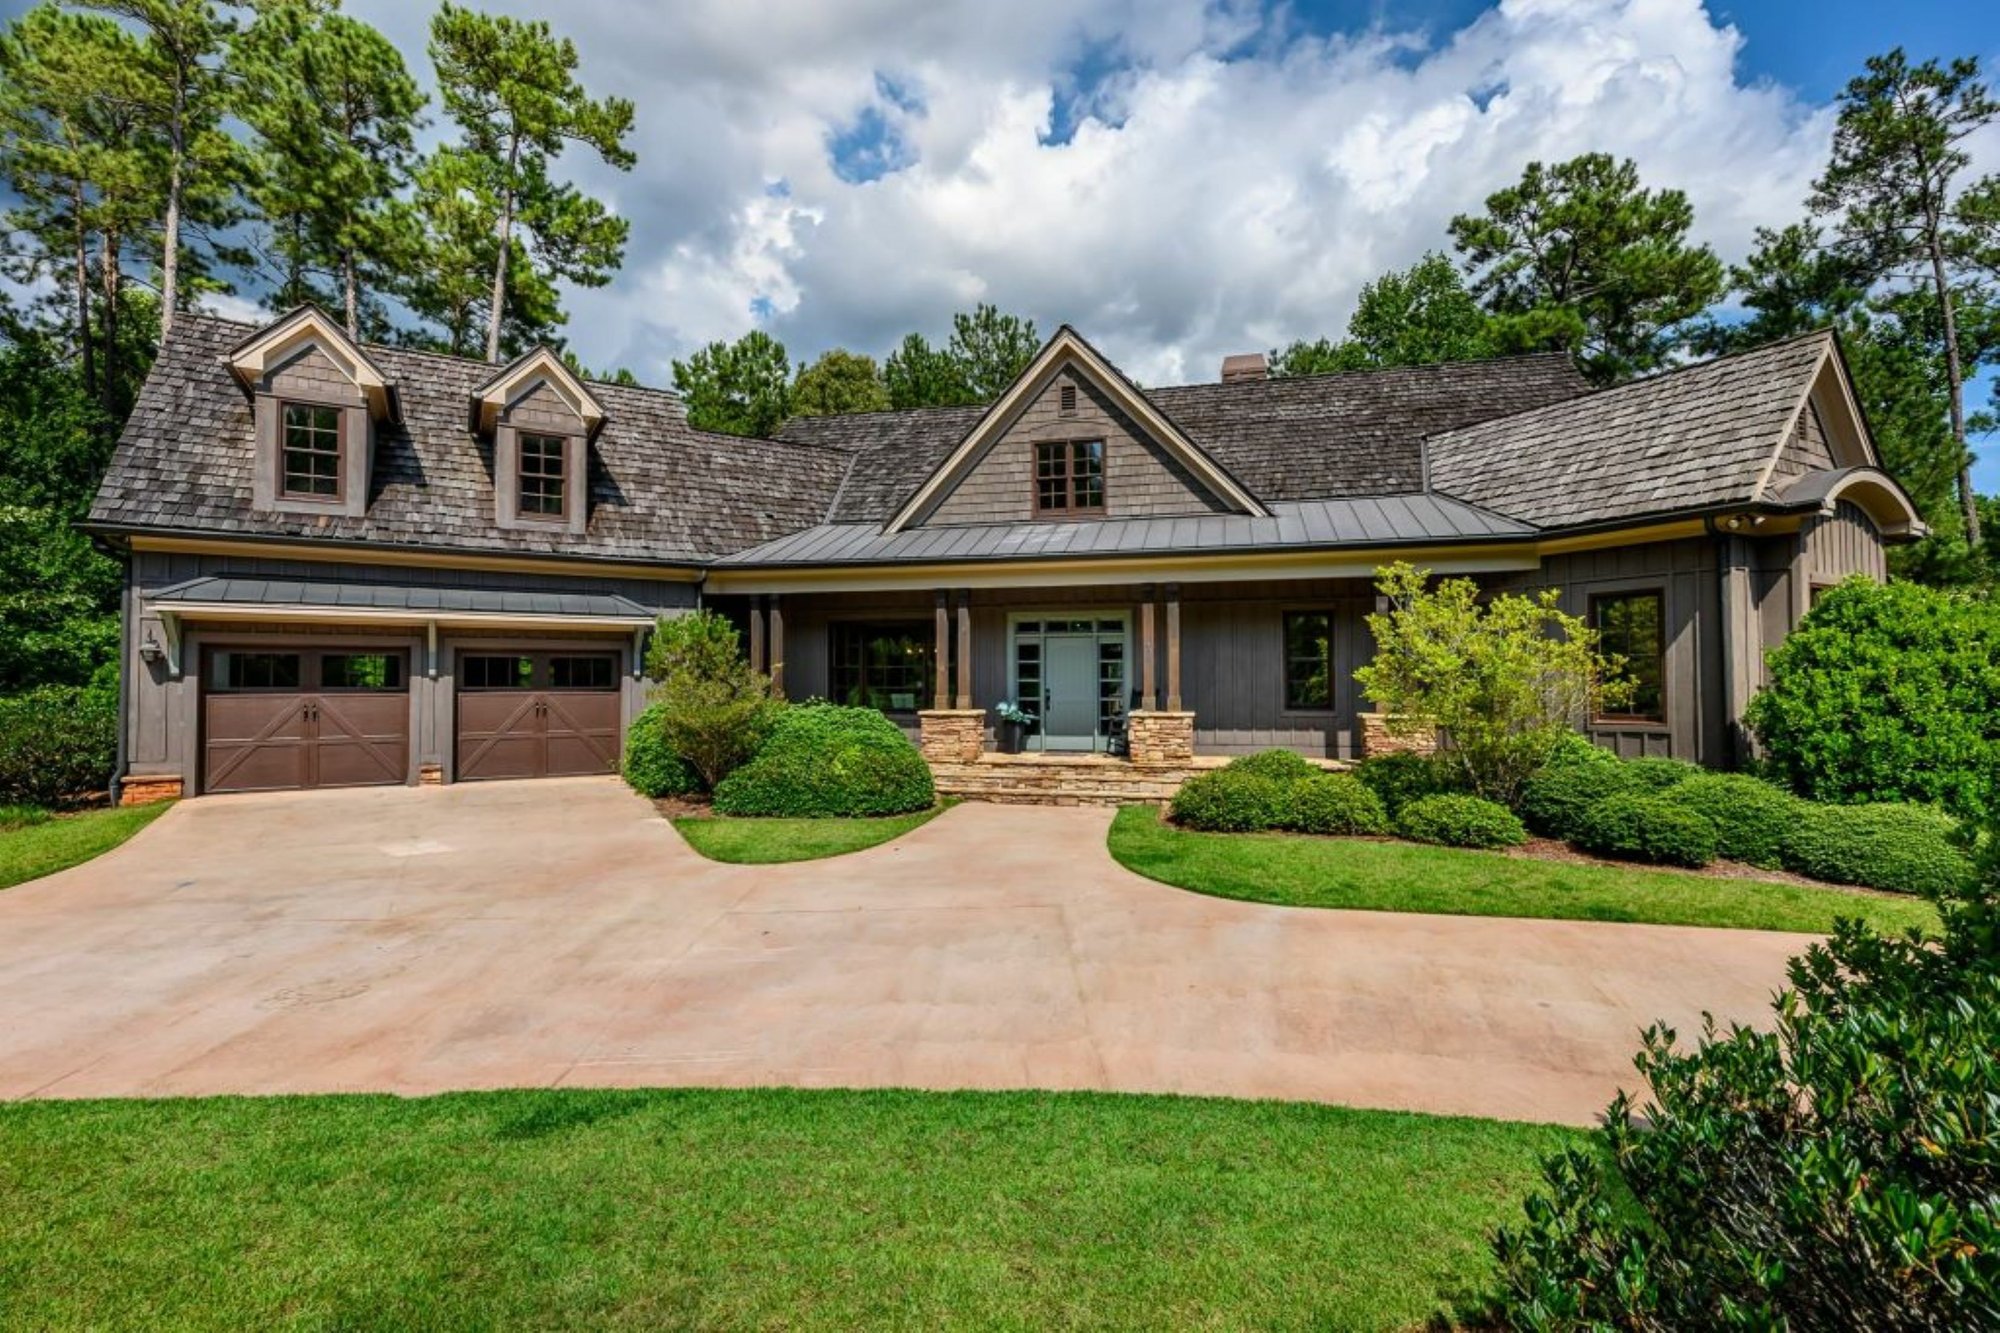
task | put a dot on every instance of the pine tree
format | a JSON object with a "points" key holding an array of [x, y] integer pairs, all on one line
{"points": [[739, 388], [1412, 317], [919, 375], [839, 382]]}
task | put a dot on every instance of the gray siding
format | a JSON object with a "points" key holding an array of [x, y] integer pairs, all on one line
{"points": [[1140, 479], [163, 713], [1841, 544], [1805, 451]]}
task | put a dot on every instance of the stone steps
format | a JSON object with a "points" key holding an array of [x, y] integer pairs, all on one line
{"points": [[1016, 781]]}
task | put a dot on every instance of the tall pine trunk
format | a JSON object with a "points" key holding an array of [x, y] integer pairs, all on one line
{"points": [[170, 261], [505, 230], [1968, 500], [85, 351], [109, 261], [350, 284]]}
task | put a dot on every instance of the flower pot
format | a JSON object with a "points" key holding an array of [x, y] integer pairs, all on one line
{"points": [[1011, 737]]}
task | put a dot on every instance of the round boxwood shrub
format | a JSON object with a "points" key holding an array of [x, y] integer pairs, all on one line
{"points": [[1637, 827], [1752, 818], [1278, 765], [824, 761], [1231, 800], [1398, 779], [651, 768], [1334, 803], [58, 744], [1556, 799], [1456, 820], [1576, 748], [1657, 775], [1902, 848]]}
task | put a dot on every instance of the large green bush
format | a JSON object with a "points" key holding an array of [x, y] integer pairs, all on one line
{"points": [[1653, 775], [1460, 821], [651, 766], [1333, 803], [1231, 800], [826, 761], [1752, 818], [1888, 693], [1637, 827], [1902, 848], [58, 744], [1837, 1169], [1398, 779], [1555, 800], [1278, 765], [715, 712]]}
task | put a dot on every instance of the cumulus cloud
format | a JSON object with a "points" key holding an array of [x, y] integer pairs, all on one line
{"points": [[1178, 179]]}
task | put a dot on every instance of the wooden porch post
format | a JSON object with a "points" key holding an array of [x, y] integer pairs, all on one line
{"points": [[964, 648], [757, 659], [941, 696], [1173, 647], [777, 648], [1149, 664]]}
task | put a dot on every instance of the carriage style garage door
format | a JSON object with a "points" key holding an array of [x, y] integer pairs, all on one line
{"points": [[277, 720], [533, 715]]}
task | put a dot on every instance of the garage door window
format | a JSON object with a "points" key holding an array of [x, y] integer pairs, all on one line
{"points": [[361, 671], [595, 672], [255, 671], [491, 671]]}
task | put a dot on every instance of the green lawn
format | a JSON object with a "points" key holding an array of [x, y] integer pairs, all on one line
{"points": [[762, 841], [758, 1209], [32, 850], [1409, 877]]}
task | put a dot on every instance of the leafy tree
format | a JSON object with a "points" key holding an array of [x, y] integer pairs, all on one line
{"points": [[1418, 316], [1581, 256], [1506, 677], [1892, 187], [739, 388], [839, 382], [714, 711], [511, 87], [919, 375], [454, 222], [334, 111], [991, 349]]}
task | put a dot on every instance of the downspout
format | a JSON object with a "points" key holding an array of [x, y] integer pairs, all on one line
{"points": [[124, 684], [1728, 562]]}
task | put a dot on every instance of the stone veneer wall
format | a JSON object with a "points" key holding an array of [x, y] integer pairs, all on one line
{"points": [[140, 790], [1377, 738], [951, 735], [1158, 738]]}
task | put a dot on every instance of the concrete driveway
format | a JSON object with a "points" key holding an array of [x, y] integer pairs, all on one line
{"points": [[560, 933]]}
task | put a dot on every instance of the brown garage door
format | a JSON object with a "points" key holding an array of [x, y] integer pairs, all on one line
{"points": [[537, 715], [277, 720]]}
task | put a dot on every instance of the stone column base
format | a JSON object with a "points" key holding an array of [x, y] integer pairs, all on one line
{"points": [[951, 735], [430, 775], [1379, 738], [1160, 738], [145, 790]]}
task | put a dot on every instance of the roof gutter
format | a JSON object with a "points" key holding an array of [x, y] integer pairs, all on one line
{"points": [[119, 537]]}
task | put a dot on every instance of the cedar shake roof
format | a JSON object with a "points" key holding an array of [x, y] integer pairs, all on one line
{"points": [[659, 489], [1307, 437], [1686, 439]]}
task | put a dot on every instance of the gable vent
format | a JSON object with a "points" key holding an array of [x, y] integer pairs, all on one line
{"points": [[1066, 397]]}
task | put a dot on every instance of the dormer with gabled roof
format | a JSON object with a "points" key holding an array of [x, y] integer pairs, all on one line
{"points": [[541, 419], [316, 399]]}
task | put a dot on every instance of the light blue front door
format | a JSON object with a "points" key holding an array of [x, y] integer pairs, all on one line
{"points": [[1069, 689]]}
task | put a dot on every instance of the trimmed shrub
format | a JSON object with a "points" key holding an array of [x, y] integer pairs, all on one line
{"points": [[1556, 799], [1230, 800], [1902, 848], [651, 767], [1398, 779], [1278, 765], [1460, 821], [1752, 818], [1334, 803], [1634, 827], [58, 744], [824, 761], [1888, 693], [1577, 748], [1658, 775]]}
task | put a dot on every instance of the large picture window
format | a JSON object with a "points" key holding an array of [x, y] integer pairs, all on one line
{"points": [[889, 666], [542, 491], [1632, 626], [1069, 477], [1308, 660], [311, 453]]}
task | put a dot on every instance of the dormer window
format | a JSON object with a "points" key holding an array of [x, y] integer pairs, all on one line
{"points": [[1069, 478], [544, 474], [311, 466]]}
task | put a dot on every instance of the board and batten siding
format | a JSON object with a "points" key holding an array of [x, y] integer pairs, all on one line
{"points": [[1842, 544], [1140, 479], [162, 722]]}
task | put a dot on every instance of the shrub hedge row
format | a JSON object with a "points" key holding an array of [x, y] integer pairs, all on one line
{"points": [[1458, 820], [58, 744], [651, 766], [825, 761], [1278, 790]]}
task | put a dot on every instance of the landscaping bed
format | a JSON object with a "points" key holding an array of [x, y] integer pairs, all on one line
{"points": [[749, 1209]]}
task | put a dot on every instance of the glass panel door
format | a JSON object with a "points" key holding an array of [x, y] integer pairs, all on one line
{"points": [[1070, 673]]}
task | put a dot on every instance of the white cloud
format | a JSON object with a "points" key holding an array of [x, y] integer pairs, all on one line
{"points": [[1232, 187]]}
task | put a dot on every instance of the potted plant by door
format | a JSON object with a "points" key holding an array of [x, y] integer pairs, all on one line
{"points": [[1012, 732]]}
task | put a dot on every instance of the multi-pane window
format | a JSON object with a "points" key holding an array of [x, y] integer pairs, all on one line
{"points": [[361, 671], [232, 670], [311, 451], [1631, 626], [1069, 477], [495, 671], [1308, 660], [885, 666], [593, 672], [542, 486]]}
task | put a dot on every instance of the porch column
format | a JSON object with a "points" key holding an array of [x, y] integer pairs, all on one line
{"points": [[941, 695], [757, 659], [964, 648], [776, 645], [1173, 647], [1149, 669]]}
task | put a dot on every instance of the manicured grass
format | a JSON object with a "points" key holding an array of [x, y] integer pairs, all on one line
{"points": [[1408, 877], [763, 841], [758, 1209], [31, 850]]}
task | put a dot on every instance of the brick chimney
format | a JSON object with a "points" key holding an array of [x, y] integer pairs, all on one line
{"points": [[1243, 366]]}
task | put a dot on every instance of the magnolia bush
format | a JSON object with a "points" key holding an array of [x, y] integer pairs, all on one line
{"points": [[1505, 679]]}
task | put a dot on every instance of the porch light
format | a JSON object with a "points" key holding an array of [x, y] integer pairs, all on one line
{"points": [[151, 651]]}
